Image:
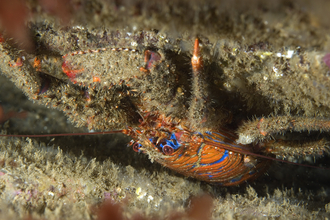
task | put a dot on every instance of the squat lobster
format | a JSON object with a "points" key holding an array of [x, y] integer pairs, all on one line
{"points": [[182, 146], [194, 143]]}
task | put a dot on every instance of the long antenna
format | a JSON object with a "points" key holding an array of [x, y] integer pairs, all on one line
{"points": [[60, 135], [261, 156]]}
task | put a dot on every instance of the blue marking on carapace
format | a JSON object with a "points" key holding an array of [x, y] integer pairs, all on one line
{"points": [[224, 156], [214, 138], [224, 136], [173, 142], [199, 134], [236, 179]]}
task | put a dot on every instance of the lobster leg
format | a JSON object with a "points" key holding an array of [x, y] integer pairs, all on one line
{"points": [[198, 106]]}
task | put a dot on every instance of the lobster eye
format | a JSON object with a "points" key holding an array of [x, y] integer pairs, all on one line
{"points": [[136, 146], [168, 150], [151, 58]]}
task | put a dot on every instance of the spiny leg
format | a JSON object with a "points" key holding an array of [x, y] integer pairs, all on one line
{"points": [[263, 129], [199, 106], [103, 65]]}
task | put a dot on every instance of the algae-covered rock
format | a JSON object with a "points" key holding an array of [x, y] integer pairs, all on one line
{"points": [[266, 75]]}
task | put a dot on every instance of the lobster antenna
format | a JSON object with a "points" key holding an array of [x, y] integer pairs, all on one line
{"points": [[60, 135], [261, 156]]}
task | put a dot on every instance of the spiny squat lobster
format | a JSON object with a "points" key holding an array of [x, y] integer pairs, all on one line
{"points": [[187, 148], [188, 145]]}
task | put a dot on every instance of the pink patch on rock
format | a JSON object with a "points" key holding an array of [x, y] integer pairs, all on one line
{"points": [[326, 59], [107, 195]]}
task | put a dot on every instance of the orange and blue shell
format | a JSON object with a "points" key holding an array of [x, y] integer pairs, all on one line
{"points": [[209, 156]]}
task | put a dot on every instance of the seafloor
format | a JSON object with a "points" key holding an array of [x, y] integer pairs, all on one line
{"points": [[72, 177]]}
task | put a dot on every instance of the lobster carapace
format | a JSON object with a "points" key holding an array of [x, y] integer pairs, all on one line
{"points": [[208, 156]]}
